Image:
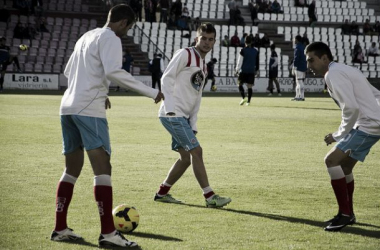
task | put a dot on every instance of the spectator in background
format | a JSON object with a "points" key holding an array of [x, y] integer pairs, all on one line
{"points": [[305, 40], [357, 55], [18, 31], [211, 74], [147, 7], [346, 28], [263, 7], [127, 60], [196, 23], [6, 59], [185, 11], [235, 41], [226, 41], [300, 3], [41, 24], [264, 41], [176, 10], [153, 10], [299, 68], [165, 6], [311, 11], [376, 28], [4, 15], [253, 10], [232, 8], [242, 40], [373, 50], [256, 42], [29, 31], [275, 7], [136, 6], [273, 71], [354, 28], [239, 20], [367, 29], [157, 68]]}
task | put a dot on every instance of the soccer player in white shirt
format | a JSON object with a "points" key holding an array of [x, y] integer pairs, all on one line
{"points": [[94, 63], [359, 129], [182, 85]]}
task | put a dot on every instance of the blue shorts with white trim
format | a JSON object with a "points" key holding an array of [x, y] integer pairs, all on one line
{"points": [[358, 143], [182, 134], [84, 131]]}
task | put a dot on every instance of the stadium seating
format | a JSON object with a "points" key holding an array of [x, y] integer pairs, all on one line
{"points": [[50, 51]]}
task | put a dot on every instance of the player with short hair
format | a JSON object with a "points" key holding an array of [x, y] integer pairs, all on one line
{"points": [[6, 59], [94, 63], [299, 68], [273, 71], [246, 69], [358, 131], [211, 74], [182, 85]]}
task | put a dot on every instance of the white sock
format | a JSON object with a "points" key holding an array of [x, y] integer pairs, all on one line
{"points": [[301, 89], [336, 173], [207, 190], [102, 180], [68, 178], [166, 184], [349, 178]]}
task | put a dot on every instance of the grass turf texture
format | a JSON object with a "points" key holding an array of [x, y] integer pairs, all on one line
{"points": [[268, 157]]}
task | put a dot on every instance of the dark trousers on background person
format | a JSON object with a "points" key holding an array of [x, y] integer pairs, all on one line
{"points": [[156, 78]]}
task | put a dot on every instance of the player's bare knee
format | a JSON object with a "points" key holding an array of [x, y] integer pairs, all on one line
{"points": [[330, 161]]}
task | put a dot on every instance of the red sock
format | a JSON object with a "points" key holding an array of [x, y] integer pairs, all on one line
{"points": [[350, 192], [341, 194], [63, 199], [164, 190], [209, 194], [103, 197]]}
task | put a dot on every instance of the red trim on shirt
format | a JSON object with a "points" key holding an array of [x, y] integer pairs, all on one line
{"points": [[189, 58]]}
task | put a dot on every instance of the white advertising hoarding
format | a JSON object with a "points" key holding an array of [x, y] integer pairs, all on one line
{"points": [[229, 84], [31, 81]]}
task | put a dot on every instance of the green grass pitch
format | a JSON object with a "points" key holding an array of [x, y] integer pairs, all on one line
{"points": [[267, 157]]}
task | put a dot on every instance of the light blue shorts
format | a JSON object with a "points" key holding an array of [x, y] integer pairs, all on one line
{"points": [[358, 143], [84, 131], [182, 134]]}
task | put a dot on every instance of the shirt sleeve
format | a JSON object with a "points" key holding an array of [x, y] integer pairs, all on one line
{"points": [[169, 78], [342, 90], [110, 51]]}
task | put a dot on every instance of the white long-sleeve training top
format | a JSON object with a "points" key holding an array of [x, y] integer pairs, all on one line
{"points": [[356, 97], [182, 85], [94, 63]]}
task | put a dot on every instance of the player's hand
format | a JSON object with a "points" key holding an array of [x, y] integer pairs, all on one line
{"points": [[329, 139], [108, 103], [236, 73], [159, 97]]}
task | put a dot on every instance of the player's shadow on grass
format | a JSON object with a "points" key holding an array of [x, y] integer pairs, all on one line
{"points": [[154, 236], [297, 107], [348, 229], [320, 224], [80, 242]]}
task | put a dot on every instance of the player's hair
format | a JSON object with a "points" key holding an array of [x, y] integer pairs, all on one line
{"points": [[273, 46], [206, 27], [248, 40], [298, 38], [120, 12], [320, 49]]}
